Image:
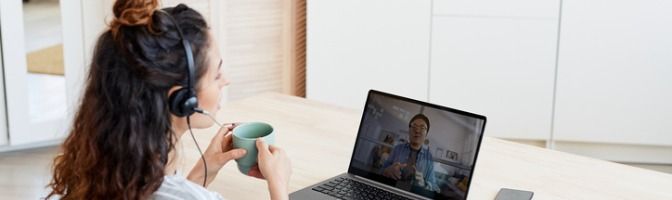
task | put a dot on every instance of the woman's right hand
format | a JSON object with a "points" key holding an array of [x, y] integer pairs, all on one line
{"points": [[274, 166]]}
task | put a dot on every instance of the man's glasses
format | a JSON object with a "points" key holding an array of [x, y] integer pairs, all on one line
{"points": [[418, 127]]}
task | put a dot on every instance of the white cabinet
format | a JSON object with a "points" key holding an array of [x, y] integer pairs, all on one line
{"points": [[498, 67], [38, 106], [602, 87], [615, 72], [354, 46], [37, 109], [519, 9]]}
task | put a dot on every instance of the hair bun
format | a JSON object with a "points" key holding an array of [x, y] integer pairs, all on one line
{"points": [[133, 13]]}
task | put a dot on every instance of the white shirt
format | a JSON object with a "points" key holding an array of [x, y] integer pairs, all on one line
{"points": [[176, 187]]}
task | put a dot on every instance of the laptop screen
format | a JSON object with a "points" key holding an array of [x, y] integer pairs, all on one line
{"points": [[418, 147]]}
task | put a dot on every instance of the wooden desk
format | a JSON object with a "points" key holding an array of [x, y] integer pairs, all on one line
{"points": [[319, 139]]}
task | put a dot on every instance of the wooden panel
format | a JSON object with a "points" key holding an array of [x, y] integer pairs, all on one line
{"points": [[295, 44], [354, 46], [252, 42], [202, 6], [614, 77], [501, 68], [253, 46]]}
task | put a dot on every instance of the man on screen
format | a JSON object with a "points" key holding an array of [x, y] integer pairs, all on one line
{"points": [[411, 164]]}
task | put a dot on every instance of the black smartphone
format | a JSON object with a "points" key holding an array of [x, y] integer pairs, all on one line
{"points": [[511, 194]]}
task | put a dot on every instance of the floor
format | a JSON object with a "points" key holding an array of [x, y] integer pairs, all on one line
{"points": [[25, 174]]}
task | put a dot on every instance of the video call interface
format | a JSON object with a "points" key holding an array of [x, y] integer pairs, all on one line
{"points": [[417, 148]]}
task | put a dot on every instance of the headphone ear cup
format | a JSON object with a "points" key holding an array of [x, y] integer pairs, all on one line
{"points": [[182, 102], [190, 104]]}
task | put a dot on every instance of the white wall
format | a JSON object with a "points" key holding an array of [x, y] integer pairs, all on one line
{"points": [[4, 134], [354, 46]]}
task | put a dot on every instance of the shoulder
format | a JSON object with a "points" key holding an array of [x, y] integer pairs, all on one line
{"points": [[401, 146], [178, 187], [398, 148], [426, 152]]}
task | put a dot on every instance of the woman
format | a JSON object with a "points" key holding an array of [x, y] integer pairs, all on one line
{"points": [[122, 143]]}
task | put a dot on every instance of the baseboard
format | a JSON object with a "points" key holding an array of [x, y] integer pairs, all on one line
{"points": [[47, 143], [658, 167], [536, 143], [641, 154]]}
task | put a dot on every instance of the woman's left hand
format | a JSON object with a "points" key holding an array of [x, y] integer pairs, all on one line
{"points": [[219, 152]]}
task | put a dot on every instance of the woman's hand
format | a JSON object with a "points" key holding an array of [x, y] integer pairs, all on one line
{"points": [[274, 166], [219, 152]]}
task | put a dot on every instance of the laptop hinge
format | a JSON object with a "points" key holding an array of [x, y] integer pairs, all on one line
{"points": [[388, 188]]}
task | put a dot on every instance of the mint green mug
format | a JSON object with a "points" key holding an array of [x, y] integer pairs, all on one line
{"points": [[245, 136]]}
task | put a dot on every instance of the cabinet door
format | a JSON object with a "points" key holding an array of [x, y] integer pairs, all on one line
{"points": [[354, 46], [519, 9], [42, 70], [500, 67], [615, 72]]}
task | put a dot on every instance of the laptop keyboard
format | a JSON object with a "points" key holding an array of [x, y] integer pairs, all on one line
{"points": [[345, 188]]}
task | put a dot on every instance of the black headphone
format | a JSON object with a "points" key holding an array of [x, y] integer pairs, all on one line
{"points": [[183, 102]]}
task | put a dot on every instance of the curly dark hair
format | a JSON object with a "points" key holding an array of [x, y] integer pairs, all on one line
{"points": [[119, 143]]}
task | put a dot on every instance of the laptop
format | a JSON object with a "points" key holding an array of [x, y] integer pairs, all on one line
{"points": [[407, 149]]}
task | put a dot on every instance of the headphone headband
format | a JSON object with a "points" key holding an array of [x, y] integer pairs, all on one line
{"points": [[183, 102], [187, 51], [190, 63]]}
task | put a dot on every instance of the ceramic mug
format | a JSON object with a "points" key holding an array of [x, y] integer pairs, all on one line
{"points": [[245, 136]]}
